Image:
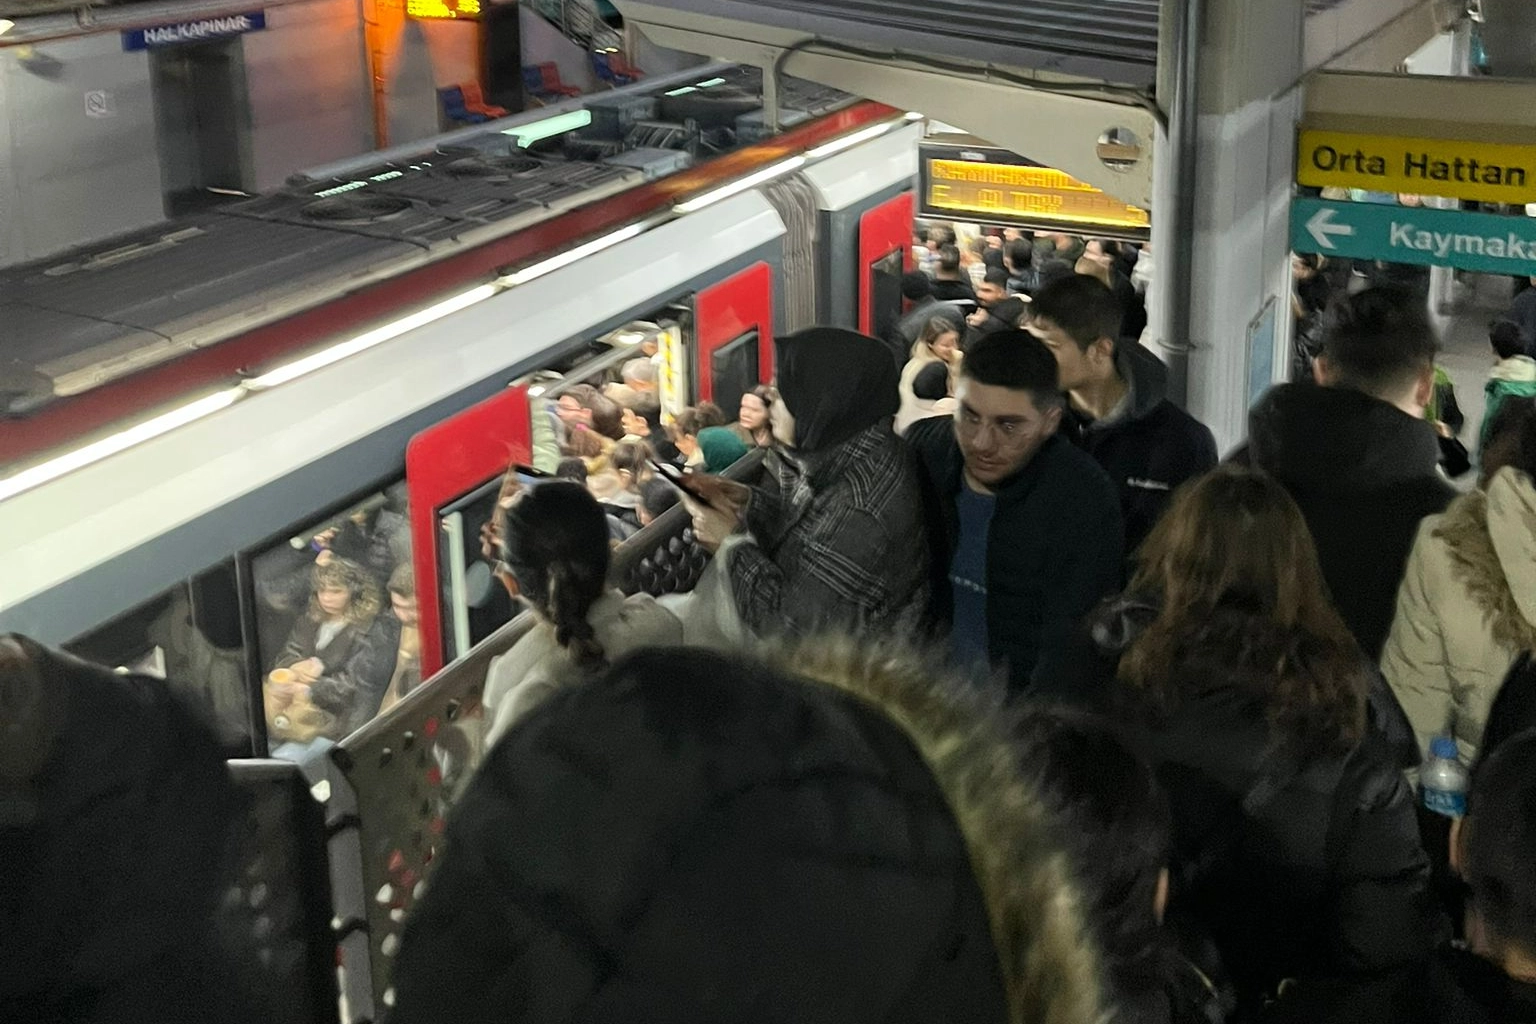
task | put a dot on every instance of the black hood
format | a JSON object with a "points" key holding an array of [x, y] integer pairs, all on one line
{"points": [[1339, 439], [836, 383]]}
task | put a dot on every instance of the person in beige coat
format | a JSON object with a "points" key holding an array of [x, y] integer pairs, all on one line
{"points": [[1467, 605]]}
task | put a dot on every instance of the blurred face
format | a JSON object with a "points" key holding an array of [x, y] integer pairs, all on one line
{"points": [[333, 599], [570, 411], [783, 423], [635, 424], [1076, 366], [946, 345], [989, 294], [405, 610], [999, 430], [753, 414]]}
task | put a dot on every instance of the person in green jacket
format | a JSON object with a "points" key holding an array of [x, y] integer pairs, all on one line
{"points": [[1513, 376]]}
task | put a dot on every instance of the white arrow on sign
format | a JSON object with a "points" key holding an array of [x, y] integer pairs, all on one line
{"points": [[1322, 228]]}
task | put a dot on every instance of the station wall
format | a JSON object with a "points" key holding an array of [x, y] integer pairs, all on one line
{"points": [[78, 152]]}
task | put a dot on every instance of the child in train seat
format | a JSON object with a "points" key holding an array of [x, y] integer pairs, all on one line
{"points": [[338, 661]]}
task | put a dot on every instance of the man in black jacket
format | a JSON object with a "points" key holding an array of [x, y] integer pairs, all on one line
{"points": [[1025, 529], [1117, 409], [1357, 454]]}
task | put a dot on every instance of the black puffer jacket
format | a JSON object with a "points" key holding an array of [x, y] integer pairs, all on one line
{"points": [[1364, 473], [1458, 987], [1151, 449], [692, 837], [1055, 549], [1297, 863]]}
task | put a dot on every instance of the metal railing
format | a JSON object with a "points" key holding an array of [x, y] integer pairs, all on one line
{"points": [[396, 778]]}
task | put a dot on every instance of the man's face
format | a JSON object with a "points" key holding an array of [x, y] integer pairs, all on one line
{"points": [[989, 294], [1074, 364], [999, 430], [405, 610]]}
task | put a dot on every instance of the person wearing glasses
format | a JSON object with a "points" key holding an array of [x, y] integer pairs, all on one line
{"points": [[1025, 528]]}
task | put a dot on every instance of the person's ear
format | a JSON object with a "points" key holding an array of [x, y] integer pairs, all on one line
{"points": [[1322, 370], [1102, 351], [1160, 897], [1052, 420]]}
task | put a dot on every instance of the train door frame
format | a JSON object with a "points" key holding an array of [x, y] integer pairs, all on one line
{"points": [[884, 230], [442, 464], [726, 312]]}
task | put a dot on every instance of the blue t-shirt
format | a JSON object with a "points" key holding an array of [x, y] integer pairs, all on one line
{"points": [[968, 578]]}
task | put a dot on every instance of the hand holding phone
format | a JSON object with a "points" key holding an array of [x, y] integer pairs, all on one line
{"points": [[714, 491]]}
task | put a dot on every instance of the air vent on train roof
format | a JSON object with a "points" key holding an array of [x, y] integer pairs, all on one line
{"points": [[351, 208], [492, 166]]}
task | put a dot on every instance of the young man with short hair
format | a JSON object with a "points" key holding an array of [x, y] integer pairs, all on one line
{"points": [[1025, 529], [1117, 405], [950, 283], [1356, 453]]}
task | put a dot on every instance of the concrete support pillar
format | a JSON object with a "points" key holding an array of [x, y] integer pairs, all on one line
{"points": [[1238, 335]]}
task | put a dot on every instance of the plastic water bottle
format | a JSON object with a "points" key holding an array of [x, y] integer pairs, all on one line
{"points": [[1443, 779]]}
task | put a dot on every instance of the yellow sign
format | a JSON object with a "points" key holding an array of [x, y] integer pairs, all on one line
{"points": [[1024, 191], [442, 8], [1484, 171]]}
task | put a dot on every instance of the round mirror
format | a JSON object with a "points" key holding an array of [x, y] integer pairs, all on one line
{"points": [[1120, 149]]}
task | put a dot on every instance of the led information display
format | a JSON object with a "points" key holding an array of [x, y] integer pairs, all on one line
{"points": [[437, 9], [997, 187]]}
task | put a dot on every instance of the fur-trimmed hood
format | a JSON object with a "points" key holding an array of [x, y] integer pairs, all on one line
{"points": [[1491, 535], [815, 832], [1048, 959]]}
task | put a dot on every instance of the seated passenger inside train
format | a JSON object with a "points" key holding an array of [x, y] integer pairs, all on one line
{"points": [[332, 673]]}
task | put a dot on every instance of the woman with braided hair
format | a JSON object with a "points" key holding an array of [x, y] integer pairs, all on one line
{"points": [[552, 544]]}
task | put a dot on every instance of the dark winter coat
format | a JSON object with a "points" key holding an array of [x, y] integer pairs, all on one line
{"points": [[831, 838], [359, 662], [1055, 549], [1458, 987], [1297, 861], [1364, 473], [115, 817], [1151, 449]]}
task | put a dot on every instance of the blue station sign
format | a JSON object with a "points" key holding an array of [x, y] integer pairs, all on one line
{"points": [[194, 31], [1485, 242]]}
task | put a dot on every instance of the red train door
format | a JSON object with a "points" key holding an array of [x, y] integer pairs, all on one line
{"points": [[448, 468], [885, 238], [733, 337]]}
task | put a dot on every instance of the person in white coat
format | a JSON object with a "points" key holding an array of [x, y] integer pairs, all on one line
{"points": [[554, 553], [938, 342], [1467, 606]]}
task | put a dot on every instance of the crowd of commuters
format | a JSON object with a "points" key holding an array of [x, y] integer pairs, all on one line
{"points": [[1028, 712]]}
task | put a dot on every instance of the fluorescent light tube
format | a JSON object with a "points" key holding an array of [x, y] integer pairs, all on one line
{"points": [[335, 353], [874, 131], [741, 185], [148, 430], [528, 134], [570, 256]]}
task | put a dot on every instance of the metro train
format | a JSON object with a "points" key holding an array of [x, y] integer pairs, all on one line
{"points": [[193, 411]]}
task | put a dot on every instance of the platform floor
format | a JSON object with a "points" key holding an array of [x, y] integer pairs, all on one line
{"points": [[1465, 354]]}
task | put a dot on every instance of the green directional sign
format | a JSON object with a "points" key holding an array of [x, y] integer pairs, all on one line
{"points": [[1401, 234]]}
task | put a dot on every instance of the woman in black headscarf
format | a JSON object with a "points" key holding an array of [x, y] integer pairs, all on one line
{"points": [[834, 532]]}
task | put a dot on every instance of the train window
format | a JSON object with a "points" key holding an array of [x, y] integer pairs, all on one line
{"points": [[734, 371], [336, 624], [189, 636], [885, 293], [477, 604], [577, 408]]}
